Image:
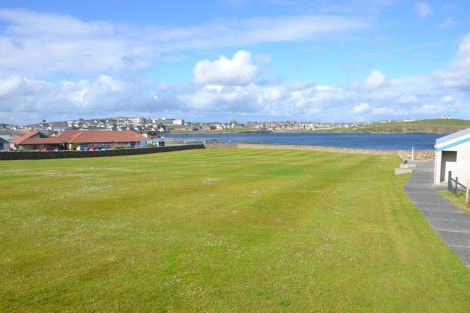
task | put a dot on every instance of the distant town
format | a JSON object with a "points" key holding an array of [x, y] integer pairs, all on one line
{"points": [[139, 132], [156, 126]]}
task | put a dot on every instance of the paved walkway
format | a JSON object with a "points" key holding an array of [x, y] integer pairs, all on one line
{"points": [[450, 222]]}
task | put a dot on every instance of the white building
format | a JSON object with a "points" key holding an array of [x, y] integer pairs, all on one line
{"points": [[4, 144], [453, 155], [135, 120]]}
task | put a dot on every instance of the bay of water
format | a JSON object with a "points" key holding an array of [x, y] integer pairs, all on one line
{"points": [[359, 141]]}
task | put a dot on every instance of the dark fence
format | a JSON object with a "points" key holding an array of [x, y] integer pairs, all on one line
{"points": [[453, 184], [37, 155]]}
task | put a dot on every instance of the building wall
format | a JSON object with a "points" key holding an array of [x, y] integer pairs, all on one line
{"points": [[462, 163], [40, 147], [4, 146], [437, 167]]}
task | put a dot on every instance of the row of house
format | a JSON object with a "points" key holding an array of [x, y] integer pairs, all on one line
{"points": [[78, 139]]}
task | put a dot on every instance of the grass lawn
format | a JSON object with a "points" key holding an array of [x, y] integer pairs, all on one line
{"points": [[222, 230], [458, 200]]}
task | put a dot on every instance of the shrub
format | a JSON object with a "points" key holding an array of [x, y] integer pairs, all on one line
{"points": [[117, 147]]}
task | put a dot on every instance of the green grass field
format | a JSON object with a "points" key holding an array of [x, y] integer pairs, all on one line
{"points": [[458, 200], [222, 230], [435, 126]]}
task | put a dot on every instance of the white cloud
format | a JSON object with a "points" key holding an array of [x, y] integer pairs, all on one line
{"points": [[41, 44], [294, 28], [104, 94], [429, 109], [227, 85], [33, 43], [37, 99], [449, 22], [448, 99], [213, 98], [457, 75], [375, 80], [423, 9], [408, 99], [9, 84], [387, 111], [236, 71], [361, 108], [263, 58], [326, 88]]}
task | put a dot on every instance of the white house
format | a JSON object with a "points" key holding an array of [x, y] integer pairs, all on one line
{"points": [[453, 155], [4, 144], [178, 122]]}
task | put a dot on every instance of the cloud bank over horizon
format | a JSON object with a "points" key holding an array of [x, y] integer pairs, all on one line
{"points": [[57, 66]]}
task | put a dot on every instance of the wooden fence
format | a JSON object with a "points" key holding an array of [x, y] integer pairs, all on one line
{"points": [[453, 185]]}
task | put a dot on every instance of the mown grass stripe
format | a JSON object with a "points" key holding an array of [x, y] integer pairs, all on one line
{"points": [[222, 230]]}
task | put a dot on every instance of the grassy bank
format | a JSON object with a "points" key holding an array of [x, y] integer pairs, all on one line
{"points": [[223, 230], [436, 126], [458, 200], [237, 130]]}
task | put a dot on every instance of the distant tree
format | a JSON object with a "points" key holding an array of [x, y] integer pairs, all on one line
{"points": [[117, 147]]}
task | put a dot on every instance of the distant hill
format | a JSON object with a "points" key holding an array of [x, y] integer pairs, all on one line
{"points": [[436, 126]]}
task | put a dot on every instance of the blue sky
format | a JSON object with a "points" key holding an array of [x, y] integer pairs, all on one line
{"points": [[234, 59]]}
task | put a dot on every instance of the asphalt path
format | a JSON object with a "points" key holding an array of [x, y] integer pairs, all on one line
{"points": [[450, 222]]}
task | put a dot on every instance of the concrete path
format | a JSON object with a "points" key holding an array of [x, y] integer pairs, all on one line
{"points": [[450, 222]]}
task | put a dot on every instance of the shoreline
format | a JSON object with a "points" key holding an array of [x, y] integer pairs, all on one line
{"points": [[304, 132]]}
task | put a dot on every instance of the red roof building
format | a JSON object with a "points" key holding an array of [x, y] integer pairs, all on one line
{"points": [[17, 139], [85, 139]]}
